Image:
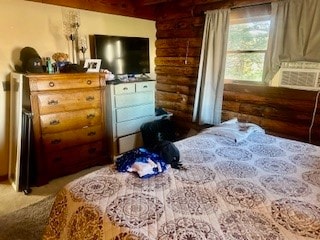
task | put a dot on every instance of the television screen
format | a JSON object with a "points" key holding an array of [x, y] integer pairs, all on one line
{"points": [[122, 55]]}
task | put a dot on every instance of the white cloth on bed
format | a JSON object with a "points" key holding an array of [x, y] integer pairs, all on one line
{"points": [[146, 168], [235, 130]]}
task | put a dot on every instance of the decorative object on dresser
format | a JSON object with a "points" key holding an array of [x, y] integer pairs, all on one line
{"points": [[128, 105], [68, 122], [92, 65]]}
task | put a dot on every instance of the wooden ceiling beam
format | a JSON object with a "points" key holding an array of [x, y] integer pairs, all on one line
{"points": [[151, 2], [117, 7]]}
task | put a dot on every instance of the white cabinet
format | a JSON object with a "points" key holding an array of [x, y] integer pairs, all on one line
{"points": [[129, 105]]}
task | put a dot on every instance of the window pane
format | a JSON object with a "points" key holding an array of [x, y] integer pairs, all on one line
{"points": [[244, 66], [248, 36]]}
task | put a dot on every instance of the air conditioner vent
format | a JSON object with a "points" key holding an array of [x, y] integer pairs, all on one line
{"points": [[308, 79]]}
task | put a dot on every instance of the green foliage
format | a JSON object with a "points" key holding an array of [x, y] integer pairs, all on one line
{"points": [[246, 49]]}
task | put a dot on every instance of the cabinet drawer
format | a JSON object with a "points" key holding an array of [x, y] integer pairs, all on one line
{"points": [[67, 101], [74, 159], [125, 128], [126, 114], [130, 142], [61, 82], [124, 88], [134, 99], [57, 141], [145, 86], [64, 121]]}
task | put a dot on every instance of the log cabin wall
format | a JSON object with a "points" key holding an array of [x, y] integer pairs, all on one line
{"points": [[282, 112], [180, 27], [180, 23]]}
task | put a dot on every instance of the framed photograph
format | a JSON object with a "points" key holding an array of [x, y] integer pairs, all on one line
{"points": [[92, 65]]}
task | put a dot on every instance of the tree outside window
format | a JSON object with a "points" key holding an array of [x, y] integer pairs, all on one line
{"points": [[247, 45]]}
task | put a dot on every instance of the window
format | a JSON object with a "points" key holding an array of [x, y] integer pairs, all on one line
{"points": [[247, 43]]}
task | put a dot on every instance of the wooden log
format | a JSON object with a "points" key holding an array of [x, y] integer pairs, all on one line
{"points": [[177, 114], [295, 130], [150, 2], [178, 52], [177, 43], [200, 9], [179, 80], [175, 89], [303, 102], [268, 112], [177, 71], [123, 7], [180, 33], [174, 97], [180, 24], [173, 11], [177, 61], [272, 92], [171, 106]]}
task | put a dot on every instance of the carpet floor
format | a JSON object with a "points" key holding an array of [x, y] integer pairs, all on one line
{"points": [[27, 223]]}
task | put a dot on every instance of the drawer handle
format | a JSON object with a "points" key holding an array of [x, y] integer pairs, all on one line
{"points": [[92, 150], [90, 116], [51, 84], [90, 98], [53, 102], [91, 133], [125, 89], [54, 122], [56, 141], [145, 86], [89, 82]]}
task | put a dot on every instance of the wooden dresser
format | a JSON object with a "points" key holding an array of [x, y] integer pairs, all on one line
{"points": [[129, 105], [68, 122]]}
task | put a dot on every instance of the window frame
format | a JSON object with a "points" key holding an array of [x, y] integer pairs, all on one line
{"points": [[249, 14]]}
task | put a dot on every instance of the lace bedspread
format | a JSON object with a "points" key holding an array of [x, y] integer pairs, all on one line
{"points": [[263, 187]]}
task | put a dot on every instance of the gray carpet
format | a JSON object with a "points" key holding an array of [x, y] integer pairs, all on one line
{"points": [[27, 223]]}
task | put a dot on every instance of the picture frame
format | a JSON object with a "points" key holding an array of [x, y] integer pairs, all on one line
{"points": [[92, 65]]}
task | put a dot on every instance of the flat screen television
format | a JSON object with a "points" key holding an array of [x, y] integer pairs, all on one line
{"points": [[122, 55]]}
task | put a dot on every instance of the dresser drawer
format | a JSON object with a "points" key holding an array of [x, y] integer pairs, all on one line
{"points": [[130, 142], [134, 99], [57, 141], [64, 121], [74, 159], [126, 114], [124, 88], [63, 81], [67, 101], [128, 127], [145, 86]]}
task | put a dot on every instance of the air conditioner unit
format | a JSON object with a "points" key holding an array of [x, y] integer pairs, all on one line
{"points": [[305, 79]]}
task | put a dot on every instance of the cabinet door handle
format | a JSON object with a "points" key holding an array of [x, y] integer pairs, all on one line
{"points": [[53, 102], [90, 116], [56, 141], [51, 84], [92, 150], [91, 133], [54, 122], [89, 82], [90, 98]]}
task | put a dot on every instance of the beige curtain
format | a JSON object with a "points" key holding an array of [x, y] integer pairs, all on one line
{"points": [[294, 34], [209, 90]]}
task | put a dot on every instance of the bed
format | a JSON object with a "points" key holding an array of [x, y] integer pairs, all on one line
{"points": [[261, 187]]}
